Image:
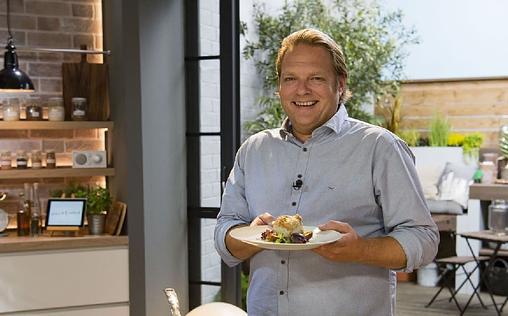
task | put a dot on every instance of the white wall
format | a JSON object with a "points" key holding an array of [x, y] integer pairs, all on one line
{"points": [[251, 84], [458, 38]]}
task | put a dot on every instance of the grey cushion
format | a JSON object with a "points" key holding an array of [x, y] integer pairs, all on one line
{"points": [[445, 207]]}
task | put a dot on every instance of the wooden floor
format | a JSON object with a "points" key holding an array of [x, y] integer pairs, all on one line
{"points": [[412, 298]]}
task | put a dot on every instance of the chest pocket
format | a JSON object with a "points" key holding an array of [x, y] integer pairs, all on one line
{"points": [[339, 196]]}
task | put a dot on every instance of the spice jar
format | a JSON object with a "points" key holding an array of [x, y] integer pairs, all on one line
{"points": [[36, 159], [21, 159], [79, 108], [33, 109], [11, 111], [50, 159], [56, 110], [5, 160]]}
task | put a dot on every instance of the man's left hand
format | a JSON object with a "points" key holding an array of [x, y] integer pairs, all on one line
{"points": [[344, 249], [381, 251]]}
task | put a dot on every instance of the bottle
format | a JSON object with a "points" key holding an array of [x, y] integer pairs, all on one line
{"points": [[35, 216], [50, 159], [11, 111], [21, 159], [498, 217], [33, 109], [28, 199], [36, 159], [56, 110], [79, 108], [489, 172], [5, 160], [23, 220]]}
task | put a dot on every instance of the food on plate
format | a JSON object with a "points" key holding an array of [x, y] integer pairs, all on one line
{"points": [[287, 229]]}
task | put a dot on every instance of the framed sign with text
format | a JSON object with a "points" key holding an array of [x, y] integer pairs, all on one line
{"points": [[65, 214]]}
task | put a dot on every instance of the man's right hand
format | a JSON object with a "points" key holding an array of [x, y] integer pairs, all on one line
{"points": [[240, 249], [263, 219]]}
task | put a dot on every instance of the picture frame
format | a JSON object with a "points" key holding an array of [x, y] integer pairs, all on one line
{"points": [[64, 214]]}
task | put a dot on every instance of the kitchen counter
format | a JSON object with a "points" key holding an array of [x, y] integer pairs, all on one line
{"points": [[487, 192], [13, 243], [58, 269]]}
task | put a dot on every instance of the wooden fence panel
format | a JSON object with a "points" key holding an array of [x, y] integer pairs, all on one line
{"points": [[471, 105]]}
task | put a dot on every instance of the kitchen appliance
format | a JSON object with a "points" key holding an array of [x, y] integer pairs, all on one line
{"points": [[89, 159]]}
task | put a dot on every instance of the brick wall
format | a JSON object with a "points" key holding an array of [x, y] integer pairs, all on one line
{"points": [[52, 24], [49, 24], [210, 145]]}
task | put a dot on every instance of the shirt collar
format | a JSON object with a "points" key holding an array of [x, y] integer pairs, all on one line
{"points": [[335, 123]]}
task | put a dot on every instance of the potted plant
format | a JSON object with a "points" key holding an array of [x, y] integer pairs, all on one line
{"points": [[98, 204]]}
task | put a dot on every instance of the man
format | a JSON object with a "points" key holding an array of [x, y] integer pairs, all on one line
{"points": [[338, 173]]}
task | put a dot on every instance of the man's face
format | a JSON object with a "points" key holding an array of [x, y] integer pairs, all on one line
{"points": [[309, 89]]}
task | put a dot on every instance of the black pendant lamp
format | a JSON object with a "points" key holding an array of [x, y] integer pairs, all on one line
{"points": [[12, 79]]}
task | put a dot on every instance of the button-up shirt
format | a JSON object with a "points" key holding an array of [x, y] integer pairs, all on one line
{"points": [[350, 171]]}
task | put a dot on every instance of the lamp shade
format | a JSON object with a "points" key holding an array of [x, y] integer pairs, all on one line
{"points": [[12, 79]]}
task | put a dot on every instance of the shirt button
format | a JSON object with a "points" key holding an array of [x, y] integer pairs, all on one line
{"points": [[283, 261], [304, 148], [294, 203], [281, 292]]}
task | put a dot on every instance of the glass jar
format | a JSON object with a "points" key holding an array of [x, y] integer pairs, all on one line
{"points": [[489, 172], [50, 159], [79, 108], [36, 159], [21, 159], [33, 109], [5, 160], [11, 111], [498, 217], [56, 110]]}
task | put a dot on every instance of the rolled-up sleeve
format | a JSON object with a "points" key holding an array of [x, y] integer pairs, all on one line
{"points": [[234, 210], [405, 213]]}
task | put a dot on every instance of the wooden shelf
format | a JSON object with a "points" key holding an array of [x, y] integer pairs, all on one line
{"points": [[53, 125], [478, 191], [55, 173]]}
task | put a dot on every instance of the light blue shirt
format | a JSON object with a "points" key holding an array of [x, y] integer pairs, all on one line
{"points": [[352, 172]]}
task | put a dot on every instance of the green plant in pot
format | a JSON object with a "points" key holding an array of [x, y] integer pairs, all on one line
{"points": [[98, 204], [439, 131]]}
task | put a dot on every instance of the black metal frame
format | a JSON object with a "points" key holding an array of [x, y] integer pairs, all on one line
{"points": [[229, 136]]}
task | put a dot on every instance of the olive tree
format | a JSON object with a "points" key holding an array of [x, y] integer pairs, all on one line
{"points": [[372, 40]]}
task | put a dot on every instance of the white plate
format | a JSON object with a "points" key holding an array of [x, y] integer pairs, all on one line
{"points": [[252, 235], [4, 220]]}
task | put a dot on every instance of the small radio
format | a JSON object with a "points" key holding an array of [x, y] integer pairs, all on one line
{"points": [[89, 159]]}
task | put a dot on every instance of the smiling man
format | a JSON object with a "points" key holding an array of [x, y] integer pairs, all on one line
{"points": [[355, 178]]}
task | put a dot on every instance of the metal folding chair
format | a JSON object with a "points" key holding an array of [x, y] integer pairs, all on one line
{"points": [[448, 266]]}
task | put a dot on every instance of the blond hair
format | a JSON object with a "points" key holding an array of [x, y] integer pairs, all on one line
{"points": [[314, 37]]}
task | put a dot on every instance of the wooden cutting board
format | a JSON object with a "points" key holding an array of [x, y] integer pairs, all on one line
{"points": [[115, 218], [90, 81]]}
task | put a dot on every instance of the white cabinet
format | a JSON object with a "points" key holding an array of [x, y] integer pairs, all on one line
{"points": [[89, 281]]}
